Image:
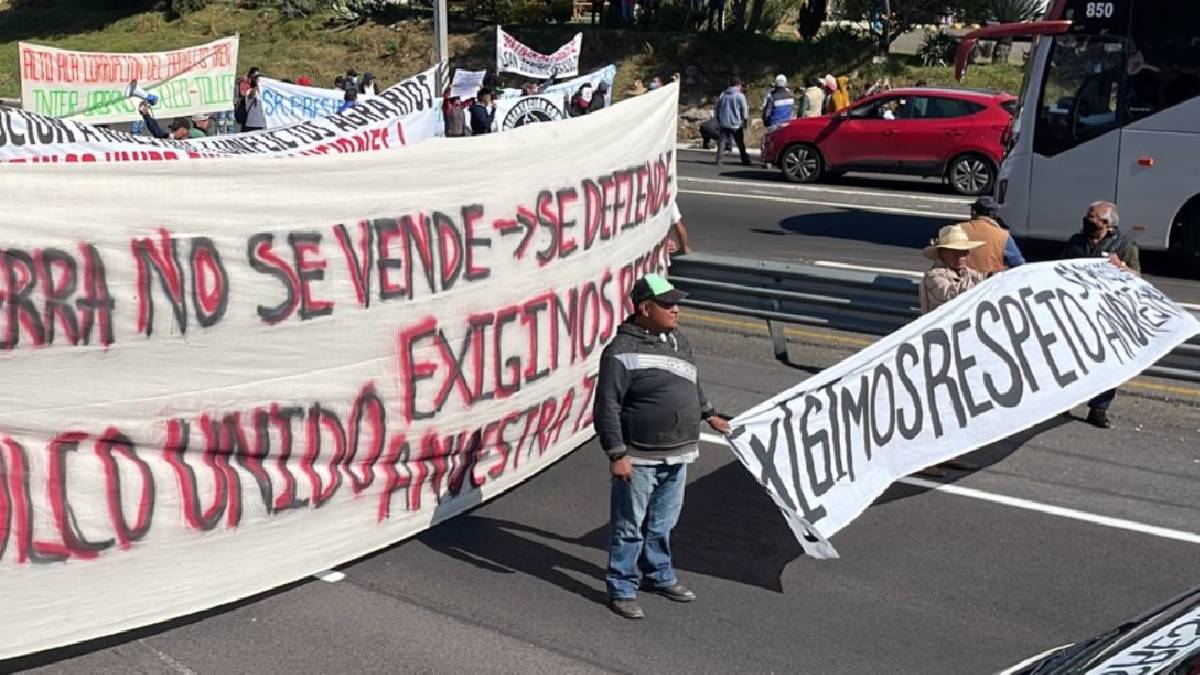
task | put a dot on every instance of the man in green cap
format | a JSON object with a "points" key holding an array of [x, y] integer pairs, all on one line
{"points": [[648, 410]]}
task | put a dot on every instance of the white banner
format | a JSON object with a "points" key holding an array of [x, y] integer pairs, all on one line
{"points": [[404, 114], [467, 83], [517, 112], [514, 57], [565, 90], [1020, 348], [221, 377], [90, 86], [286, 104]]}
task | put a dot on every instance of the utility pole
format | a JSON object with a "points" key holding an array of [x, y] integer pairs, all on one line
{"points": [[441, 40]]}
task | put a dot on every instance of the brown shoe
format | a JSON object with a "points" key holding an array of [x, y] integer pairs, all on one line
{"points": [[626, 607]]}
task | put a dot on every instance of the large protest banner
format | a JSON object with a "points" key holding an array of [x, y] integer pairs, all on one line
{"points": [[514, 57], [1018, 349], [223, 376], [90, 86], [287, 104], [404, 114]]}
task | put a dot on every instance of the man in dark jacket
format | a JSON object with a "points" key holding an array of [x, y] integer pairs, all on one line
{"points": [[483, 113], [1100, 238], [648, 409]]}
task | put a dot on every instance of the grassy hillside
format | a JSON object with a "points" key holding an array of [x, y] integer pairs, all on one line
{"points": [[395, 47]]}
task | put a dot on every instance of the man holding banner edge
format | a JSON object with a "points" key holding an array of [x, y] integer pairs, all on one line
{"points": [[647, 415]]}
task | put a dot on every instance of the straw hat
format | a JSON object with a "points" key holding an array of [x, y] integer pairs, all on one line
{"points": [[952, 237]]}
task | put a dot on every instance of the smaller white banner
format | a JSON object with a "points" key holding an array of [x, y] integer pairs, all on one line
{"points": [[91, 86], [514, 57], [565, 90], [1018, 349], [517, 112], [286, 104], [467, 83]]}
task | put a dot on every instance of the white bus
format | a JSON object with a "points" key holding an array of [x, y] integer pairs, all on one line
{"points": [[1110, 109]]}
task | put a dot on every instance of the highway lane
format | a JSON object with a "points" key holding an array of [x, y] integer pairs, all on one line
{"points": [[928, 582], [874, 221]]}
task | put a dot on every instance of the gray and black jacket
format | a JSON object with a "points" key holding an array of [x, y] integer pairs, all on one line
{"points": [[648, 399]]}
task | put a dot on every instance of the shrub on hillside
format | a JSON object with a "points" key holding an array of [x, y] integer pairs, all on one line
{"points": [[842, 44], [938, 49], [529, 12], [181, 7], [562, 11], [294, 9]]}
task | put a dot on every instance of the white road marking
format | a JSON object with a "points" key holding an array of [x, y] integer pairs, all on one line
{"points": [[835, 205], [824, 189], [167, 659], [1030, 505], [330, 576]]}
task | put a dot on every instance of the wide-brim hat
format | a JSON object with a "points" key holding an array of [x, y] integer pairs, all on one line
{"points": [[953, 237]]}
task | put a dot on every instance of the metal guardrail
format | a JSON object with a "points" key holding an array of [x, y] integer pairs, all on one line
{"points": [[841, 299]]}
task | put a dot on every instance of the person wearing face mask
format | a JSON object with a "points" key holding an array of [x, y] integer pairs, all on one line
{"points": [[1101, 238]]}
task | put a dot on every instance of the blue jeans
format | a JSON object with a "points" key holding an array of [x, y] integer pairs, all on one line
{"points": [[644, 510]]}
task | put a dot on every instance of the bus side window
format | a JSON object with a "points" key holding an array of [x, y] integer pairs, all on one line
{"points": [[1164, 62], [1080, 92]]}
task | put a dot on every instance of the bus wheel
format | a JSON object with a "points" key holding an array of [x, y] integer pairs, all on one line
{"points": [[1185, 237], [972, 175], [801, 163]]}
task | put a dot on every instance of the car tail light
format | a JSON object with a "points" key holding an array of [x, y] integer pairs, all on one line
{"points": [[1006, 134]]}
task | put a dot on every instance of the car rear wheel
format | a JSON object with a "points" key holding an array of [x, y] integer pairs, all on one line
{"points": [[801, 164], [972, 175]]}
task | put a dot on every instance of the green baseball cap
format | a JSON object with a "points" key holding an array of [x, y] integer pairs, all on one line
{"points": [[654, 287]]}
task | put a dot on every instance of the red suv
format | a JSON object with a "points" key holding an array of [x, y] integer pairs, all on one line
{"points": [[958, 134]]}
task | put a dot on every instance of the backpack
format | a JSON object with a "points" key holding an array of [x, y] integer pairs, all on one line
{"points": [[240, 113]]}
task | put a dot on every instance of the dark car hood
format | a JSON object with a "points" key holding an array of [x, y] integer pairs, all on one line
{"points": [[1164, 640]]}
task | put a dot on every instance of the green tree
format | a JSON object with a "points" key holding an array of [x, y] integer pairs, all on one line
{"points": [[1006, 11], [812, 13]]}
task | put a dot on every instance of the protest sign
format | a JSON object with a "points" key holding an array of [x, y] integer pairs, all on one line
{"points": [[406, 113], [514, 57], [286, 104], [90, 86], [225, 376], [517, 112], [467, 83], [565, 90], [1014, 351]]}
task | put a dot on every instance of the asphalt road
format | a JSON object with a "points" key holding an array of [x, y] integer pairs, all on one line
{"points": [[928, 582], [967, 578], [876, 221]]}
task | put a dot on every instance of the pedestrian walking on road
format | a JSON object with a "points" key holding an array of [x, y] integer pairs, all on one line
{"points": [[732, 114], [999, 251], [1100, 237], [647, 413]]}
